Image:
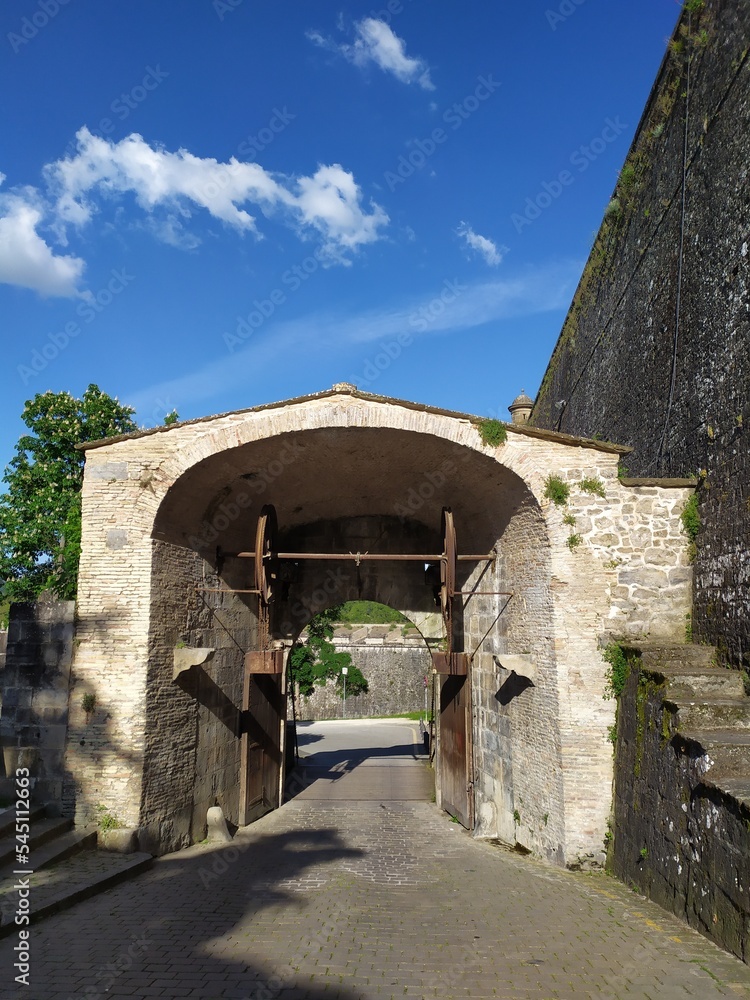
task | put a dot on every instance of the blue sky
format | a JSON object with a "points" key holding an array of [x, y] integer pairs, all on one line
{"points": [[211, 205]]}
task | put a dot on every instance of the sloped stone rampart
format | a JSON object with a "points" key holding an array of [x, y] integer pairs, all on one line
{"points": [[626, 367]]}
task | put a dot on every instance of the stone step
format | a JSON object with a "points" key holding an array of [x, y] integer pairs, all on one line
{"points": [[729, 749], [668, 654], [68, 882], [41, 831], [737, 787], [676, 654], [699, 681], [8, 819], [54, 851], [710, 713]]}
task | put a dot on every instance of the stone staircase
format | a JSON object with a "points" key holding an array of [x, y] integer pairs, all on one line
{"points": [[65, 865], [710, 711]]}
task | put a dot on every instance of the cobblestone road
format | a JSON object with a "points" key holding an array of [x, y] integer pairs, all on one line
{"points": [[335, 899]]}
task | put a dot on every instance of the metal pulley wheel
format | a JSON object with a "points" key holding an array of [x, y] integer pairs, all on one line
{"points": [[266, 545]]}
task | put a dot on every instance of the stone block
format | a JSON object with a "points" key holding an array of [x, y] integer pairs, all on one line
{"points": [[111, 471], [121, 841], [644, 577], [117, 538], [218, 831]]}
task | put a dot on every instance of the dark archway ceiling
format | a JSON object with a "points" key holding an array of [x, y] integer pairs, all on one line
{"points": [[328, 474]]}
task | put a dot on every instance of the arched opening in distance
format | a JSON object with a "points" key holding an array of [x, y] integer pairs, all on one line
{"points": [[360, 689]]}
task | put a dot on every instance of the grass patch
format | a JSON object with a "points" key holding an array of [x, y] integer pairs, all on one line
{"points": [[413, 716]]}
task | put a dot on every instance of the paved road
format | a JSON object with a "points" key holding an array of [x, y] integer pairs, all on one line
{"points": [[361, 761], [361, 900]]}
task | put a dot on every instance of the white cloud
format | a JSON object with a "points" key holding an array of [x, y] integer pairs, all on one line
{"points": [[486, 248], [26, 259], [376, 42], [329, 201], [281, 343]]}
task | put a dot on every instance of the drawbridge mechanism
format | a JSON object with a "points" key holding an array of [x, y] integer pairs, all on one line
{"points": [[267, 579]]}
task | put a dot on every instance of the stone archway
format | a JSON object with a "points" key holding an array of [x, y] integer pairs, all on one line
{"points": [[341, 466]]}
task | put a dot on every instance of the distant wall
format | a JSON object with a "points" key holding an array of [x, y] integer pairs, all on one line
{"points": [[394, 664], [655, 351], [35, 679]]}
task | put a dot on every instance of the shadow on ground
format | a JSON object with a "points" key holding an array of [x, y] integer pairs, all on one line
{"points": [[185, 927]]}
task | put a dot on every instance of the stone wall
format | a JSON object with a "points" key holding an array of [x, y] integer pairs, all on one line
{"points": [[193, 721], [33, 723], [543, 770], [394, 665], [679, 837], [654, 351]]}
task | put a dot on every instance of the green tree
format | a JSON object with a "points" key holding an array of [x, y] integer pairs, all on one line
{"points": [[40, 513], [313, 662]]}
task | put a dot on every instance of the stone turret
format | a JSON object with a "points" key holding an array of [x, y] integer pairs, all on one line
{"points": [[520, 408]]}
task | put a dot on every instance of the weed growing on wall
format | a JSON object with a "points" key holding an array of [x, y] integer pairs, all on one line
{"points": [[691, 523], [492, 432], [617, 672], [107, 820], [592, 485], [556, 490]]}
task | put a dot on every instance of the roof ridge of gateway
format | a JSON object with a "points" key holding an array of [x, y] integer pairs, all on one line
{"points": [[348, 389]]}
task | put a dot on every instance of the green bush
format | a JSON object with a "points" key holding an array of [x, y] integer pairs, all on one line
{"points": [[556, 490], [618, 671], [691, 521], [492, 432], [592, 486]]}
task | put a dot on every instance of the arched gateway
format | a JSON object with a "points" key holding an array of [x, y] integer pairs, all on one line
{"points": [[167, 614]]}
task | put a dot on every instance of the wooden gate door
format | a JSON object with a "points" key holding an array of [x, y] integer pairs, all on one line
{"points": [[263, 729], [454, 748]]}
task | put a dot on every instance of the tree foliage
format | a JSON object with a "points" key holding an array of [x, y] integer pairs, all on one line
{"points": [[315, 661], [40, 513]]}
